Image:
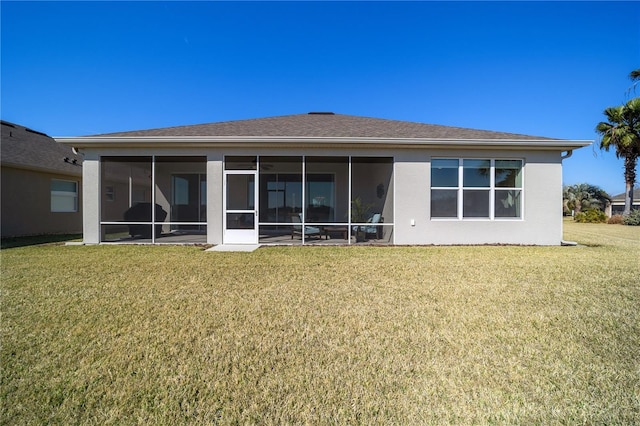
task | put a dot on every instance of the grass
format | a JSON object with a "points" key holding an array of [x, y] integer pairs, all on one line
{"points": [[11, 242], [324, 335]]}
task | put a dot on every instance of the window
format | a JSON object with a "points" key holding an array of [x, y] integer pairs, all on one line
{"points": [[476, 188], [476, 183], [508, 191], [444, 188], [64, 196]]}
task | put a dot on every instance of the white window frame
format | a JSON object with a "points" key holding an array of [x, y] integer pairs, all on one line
{"points": [[492, 190], [64, 194]]}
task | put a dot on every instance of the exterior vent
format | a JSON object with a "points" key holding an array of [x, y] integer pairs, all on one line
{"points": [[322, 113]]}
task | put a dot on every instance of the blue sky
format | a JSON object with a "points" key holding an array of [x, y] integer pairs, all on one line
{"points": [[537, 68]]}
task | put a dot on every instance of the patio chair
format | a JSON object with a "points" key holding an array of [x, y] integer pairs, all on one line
{"points": [[309, 231], [363, 231], [374, 229]]}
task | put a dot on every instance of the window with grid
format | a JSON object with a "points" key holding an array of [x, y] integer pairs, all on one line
{"points": [[476, 188]]}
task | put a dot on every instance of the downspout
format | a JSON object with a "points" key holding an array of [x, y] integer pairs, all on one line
{"points": [[563, 242]]}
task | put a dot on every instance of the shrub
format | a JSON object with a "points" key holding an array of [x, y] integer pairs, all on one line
{"points": [[633, 219], [616, 219], [591, 216]]}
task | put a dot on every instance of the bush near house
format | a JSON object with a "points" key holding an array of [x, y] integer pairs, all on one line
{"points": [[591, 216], [633, 219], [616, 219]]}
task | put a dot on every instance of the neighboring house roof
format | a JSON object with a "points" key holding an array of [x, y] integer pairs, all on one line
{"points": [[320, 129], [620, 197], [24, 148]]}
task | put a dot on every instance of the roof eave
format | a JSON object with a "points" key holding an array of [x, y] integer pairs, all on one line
{"points": [[42, 169], [289, 141]]}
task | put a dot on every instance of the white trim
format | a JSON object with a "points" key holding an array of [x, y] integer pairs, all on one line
{"points": [[288, 141], [393, 202], [492, 189], [153, 198], [240, 236], [350, 183]]}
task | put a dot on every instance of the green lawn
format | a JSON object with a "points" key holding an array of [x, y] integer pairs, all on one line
{"points": [[324, 335]]}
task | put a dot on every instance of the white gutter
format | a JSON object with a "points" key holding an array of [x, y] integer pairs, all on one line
{"points": [[288, 141], [567, 155]]}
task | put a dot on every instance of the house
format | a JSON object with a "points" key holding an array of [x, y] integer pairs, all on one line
{"points": [[321, 178], [40, 184], [617, 203]]}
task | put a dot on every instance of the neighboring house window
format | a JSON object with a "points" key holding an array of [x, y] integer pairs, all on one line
{"points": [[476, 189], [64, 196]]}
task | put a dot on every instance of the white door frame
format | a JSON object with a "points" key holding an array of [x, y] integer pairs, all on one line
{"points": [[240, 235]]}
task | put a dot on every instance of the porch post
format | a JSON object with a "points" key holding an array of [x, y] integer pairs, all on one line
{"points": [[214, 198], [91, 198]]}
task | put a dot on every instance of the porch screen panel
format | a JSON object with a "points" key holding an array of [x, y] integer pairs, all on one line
{"points": [[327, 190], [125, 193], [181, 192], [240, 192], [372, 191], [240, 162], [280, 188]]}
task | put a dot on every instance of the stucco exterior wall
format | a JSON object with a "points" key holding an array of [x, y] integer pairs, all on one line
{"points": [[91, 198], [26, 205], [214, 197], [541, 223]]}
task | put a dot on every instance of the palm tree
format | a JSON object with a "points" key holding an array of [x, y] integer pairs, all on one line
{"points": [[622, 131], [635, 78], [584, 196]]}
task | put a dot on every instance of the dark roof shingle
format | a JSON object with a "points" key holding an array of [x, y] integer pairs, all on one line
{"points": [[26, 148], [327, 125], [620, 197]]}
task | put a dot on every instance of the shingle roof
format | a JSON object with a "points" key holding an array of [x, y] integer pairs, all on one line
{"points": [[327, 125], [25, 148], [620, 197]]}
